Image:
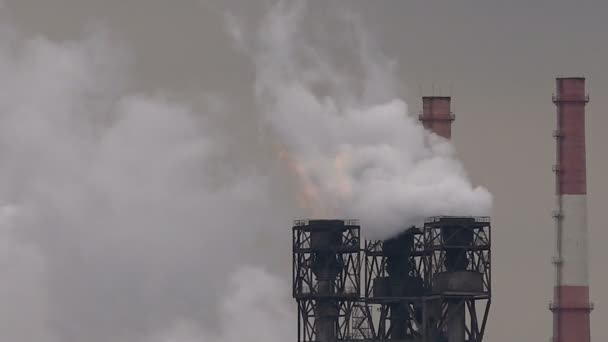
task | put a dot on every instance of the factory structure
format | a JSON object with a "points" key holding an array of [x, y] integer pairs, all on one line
{"points": [[432, 283]]}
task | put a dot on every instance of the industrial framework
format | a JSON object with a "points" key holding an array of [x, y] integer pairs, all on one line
{"points": [[433, 283], [430, 283]]}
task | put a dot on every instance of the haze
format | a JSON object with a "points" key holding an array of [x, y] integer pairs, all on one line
{"points": [[497, 60]]}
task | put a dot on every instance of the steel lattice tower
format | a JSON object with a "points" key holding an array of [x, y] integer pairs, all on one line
{"points": [[458, 278], [326, 278], [394, 285]]}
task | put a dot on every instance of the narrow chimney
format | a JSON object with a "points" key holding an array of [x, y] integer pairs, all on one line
{"points": [[436, 115], [570, 306]]}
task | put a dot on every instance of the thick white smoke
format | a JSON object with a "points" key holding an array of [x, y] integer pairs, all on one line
{"points": [[129, 217], [121, 219], [355, 149]]}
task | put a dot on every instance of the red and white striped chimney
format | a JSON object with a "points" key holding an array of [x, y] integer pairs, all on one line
{"points": [[571, 307], [436, 115]]}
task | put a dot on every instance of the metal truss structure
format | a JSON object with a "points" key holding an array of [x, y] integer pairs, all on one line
{"points": [[326, 278], [428, 284], [458, 278]]}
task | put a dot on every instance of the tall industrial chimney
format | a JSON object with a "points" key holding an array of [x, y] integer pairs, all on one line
{"points": [[571, 307], [436, 115]]}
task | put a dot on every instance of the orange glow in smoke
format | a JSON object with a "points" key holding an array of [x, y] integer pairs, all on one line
{"points": [[309, 194], [343, 180]]}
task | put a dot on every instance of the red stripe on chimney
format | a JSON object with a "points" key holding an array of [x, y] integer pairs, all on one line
{"points": [[570, 100]]}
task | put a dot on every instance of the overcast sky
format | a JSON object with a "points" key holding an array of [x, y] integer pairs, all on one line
{"points": [[497, 59]]}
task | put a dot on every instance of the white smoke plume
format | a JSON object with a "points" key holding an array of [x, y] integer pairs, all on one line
{"points": [[129, 217], [121, 219], [349, 139]]}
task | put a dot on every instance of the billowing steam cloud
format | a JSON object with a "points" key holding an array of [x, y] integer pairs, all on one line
{"points": [[130, 218], [356, 152], [121, 219]]}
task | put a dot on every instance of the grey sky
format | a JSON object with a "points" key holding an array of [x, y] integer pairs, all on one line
{"points": [[498, 59]]}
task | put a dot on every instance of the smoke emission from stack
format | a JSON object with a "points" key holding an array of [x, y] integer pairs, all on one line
{"points": [[358, 152], [124, 216]]}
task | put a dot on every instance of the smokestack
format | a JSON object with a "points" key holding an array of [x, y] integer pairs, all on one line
{"points": [[570, 306], [436, 115]]}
